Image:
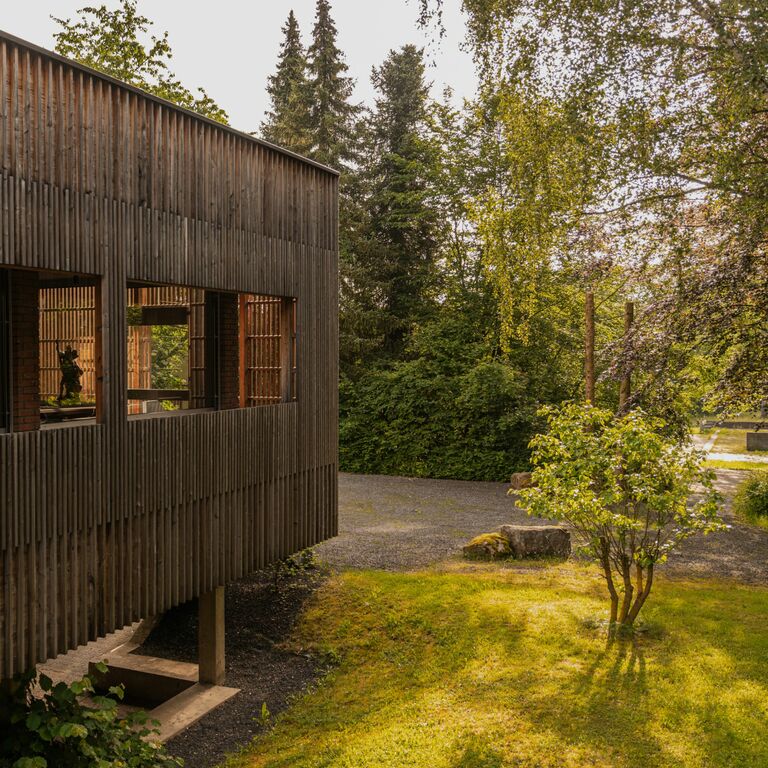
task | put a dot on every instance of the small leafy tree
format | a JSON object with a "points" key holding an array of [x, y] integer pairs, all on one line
{"points": [[626, 488]]}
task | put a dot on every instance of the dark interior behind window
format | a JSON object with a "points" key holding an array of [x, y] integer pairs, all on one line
{"points": [[5, 352]]}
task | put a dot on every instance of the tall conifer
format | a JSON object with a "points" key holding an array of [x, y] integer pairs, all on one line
{"points": [[403, 228], [288, 120], [332, 114]]}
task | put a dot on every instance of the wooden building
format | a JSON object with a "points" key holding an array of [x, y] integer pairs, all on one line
{"points": [[193, 269]]}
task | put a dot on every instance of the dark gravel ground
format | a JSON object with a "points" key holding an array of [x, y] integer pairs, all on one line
{"points": [[391, 523], [400, 523], [260, 613]]}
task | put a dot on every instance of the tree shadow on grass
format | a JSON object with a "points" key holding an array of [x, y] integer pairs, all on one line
{"points": [[478, 754], [617, 703]]}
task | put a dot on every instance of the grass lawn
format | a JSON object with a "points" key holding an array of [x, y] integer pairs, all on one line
{"points": [[484, 666], [734, 441], [747, 466]]}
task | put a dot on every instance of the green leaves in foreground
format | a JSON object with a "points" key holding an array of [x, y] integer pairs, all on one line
{"points": [[626, 487], [69, 726]]}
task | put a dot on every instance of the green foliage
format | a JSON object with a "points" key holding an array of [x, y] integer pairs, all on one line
{"points": [[660, 105], [170, 356], [448, 411], [68, 726], [751, 499], [626, 488], [390, 271], [110, 41]]}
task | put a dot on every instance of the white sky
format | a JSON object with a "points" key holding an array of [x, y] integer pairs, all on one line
{"points": [[229, 47]]}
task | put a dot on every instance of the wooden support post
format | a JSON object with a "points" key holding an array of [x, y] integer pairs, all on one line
{"points": [[286, 349], [589, 348], [625, 387], [210, 637]]}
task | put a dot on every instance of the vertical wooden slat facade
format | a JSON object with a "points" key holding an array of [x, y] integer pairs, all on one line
{"points": [[104, 523]]}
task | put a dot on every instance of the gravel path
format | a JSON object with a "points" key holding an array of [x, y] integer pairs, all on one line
{"points": [[398, 523]]}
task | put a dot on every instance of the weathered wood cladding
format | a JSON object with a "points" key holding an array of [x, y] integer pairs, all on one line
{"points": [[102, 524]]}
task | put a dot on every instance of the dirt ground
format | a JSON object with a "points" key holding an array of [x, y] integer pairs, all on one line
{"points": [[390, 523]]}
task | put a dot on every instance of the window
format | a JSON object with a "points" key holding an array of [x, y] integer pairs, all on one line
{"points": [[267, 350], [5, 352], [173, 348], [190, 348], [163, 336], [67, 346]]}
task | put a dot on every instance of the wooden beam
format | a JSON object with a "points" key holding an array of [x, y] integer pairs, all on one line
{"points": [[211, 658], [162, 316], [158, 394]]}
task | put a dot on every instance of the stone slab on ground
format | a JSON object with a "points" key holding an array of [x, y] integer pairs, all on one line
{"points": [[757, 441], [537, 540]]}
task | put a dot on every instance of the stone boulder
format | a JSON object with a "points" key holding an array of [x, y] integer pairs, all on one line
{"points": [[537, 540], [487, 546], [520, 480]]}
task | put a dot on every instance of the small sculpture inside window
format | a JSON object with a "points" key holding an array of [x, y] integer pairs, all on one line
{"points": [[69, 386]]}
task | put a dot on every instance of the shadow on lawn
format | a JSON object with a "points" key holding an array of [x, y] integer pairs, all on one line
{"points": [[476, 754]]}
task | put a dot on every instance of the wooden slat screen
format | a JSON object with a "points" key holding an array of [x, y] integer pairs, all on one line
{"points": [[261, 331]]}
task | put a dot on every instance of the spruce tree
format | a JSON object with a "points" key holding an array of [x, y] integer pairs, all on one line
{"points": [[288, 120], [332, 114], [401, 242]]}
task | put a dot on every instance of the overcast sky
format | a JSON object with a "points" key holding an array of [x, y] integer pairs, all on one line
{"points": [[229, 47]]}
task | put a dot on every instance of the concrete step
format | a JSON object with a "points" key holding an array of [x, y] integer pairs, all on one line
{"points": [[188, 707]]}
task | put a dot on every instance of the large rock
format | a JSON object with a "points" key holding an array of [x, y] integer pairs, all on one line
{"points": [[487, 546], [520, 480], [537, 540]]}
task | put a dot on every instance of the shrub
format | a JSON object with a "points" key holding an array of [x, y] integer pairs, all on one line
{"points": [[427, 418], [625, 486], [68, 726], [751, 499]]}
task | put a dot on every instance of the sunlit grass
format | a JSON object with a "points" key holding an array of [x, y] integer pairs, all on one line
{"points": [[495, 666], [747, 466]]}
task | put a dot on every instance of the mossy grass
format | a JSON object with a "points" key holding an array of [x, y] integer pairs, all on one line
{"points": [[487, 666]]}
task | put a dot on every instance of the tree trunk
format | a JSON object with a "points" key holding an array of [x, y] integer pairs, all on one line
{"points": [[642, 594], [626, 381], [589, 348], [606, 563], [626, 603]]}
